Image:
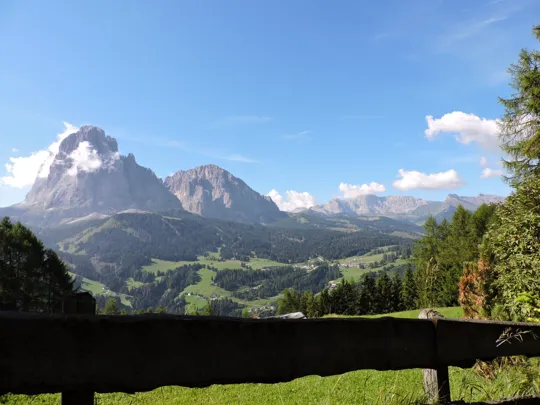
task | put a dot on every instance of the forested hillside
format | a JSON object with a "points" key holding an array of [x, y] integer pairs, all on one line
{"points": [[113, 251]]}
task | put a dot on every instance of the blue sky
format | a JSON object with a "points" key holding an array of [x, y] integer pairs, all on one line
{"points": [[297, 96]]}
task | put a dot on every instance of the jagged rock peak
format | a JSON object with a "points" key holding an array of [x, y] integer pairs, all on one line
{"points": [[95, 136], [88, 176], [213, 192]]}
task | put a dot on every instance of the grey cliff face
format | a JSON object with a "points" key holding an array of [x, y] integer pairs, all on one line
{"points": [[405, 207], [89, 175], [372, 205], [213, 192]]}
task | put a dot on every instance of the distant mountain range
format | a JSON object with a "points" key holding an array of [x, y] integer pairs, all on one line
{"points": [[89, 179], [110, 218], [401, 207]]}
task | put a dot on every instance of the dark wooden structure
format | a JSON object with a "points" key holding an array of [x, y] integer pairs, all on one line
{"points": [[82, 354]]}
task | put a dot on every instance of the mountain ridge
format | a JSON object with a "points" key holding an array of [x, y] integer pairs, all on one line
{"points": [[213, 192], [399, 207], [88, 178]]}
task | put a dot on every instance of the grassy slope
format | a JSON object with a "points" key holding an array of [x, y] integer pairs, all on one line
{"points": [[360, 387], [95, 287], [356, 272], [205, 287], [449, 312], [132, 283], [367, 258], [163, 265]]}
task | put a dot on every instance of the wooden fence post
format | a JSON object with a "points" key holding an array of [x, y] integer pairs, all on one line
{"points": [[436, 382], [79, 303]]}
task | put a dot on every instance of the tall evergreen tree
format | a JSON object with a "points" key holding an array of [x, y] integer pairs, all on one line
{"points": [[409, 291], [513, 246], [481, 219], [345, 298], [396, 288], [367, 301], [460, 247], [325, 303], [383, 303], [32, 278], [519, 128], [111, 308], [428, 282]]}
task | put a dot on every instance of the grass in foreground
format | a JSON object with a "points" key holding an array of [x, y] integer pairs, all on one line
{"points": [[359, 387], [448, 312]]}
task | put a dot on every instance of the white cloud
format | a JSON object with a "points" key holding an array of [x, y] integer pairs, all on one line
{"points": [[413, 180], [84, 159], [293, 201], [304, 135], [473, 28], [483, 161], [353, 190], [15, 150], [22, 171], [467, 127], [488, 173]]}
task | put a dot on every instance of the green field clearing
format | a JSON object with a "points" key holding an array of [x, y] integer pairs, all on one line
{"points": [[407, 235], [163, 265], [96, 288], [356, 273], [448, 312], [367, 258], [205, 287], [133, 284], [364, 387], [195, 301]]}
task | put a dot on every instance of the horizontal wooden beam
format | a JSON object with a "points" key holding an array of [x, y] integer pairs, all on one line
{"points": [[76, 353], [462, 342], [59, 353]]}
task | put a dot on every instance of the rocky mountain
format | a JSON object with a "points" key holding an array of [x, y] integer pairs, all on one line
{"points": [[401, 207], [371, 205], [213, 192], [88, 176], [88, 179]]}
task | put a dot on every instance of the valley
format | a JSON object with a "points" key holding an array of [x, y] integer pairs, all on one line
{"points": [[204, 236], [205, 289]]}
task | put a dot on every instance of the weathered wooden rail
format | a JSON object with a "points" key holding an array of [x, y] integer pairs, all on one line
{"points": [[83, 354]]}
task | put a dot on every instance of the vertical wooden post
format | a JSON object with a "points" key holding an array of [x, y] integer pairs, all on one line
{"points": [[79, 303], [436, 382]]}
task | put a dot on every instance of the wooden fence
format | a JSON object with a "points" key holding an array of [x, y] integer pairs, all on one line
{"points": [[82, 354]]}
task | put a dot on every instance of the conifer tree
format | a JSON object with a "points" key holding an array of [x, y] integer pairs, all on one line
{"points": [[111, 308], [384, 302], [32, 278], [396, 287], [519, 128], [409, 291], [367, 301]]}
